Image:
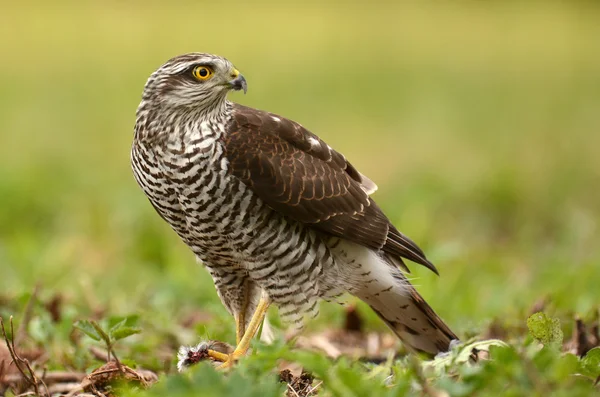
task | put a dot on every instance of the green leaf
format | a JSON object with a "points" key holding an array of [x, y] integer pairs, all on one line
{"points": [[124, 332], [87, 328], [101, 332], [130, 321], [545, 330], [565, 367], [121, 327], [460, 354], [590, 363], [115, 325]]}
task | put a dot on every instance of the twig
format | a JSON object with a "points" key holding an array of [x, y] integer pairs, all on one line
{"points": [[63, 388], [35, 378], [13, 354], [50, 377], [2, 374], [19, 362], [96, 391], [105, 356], [76, 389], [119, 366], [314, 388], [293, 390], [43, 377]]}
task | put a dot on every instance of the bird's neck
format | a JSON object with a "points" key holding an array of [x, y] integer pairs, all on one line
{"points": [[161, 120]]}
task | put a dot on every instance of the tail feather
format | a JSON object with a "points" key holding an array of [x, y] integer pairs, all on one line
{"points": [[415, 323], [375, 278], [407, 314]]}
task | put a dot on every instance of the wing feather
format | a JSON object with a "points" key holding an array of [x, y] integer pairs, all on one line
{"points": [[296, 173]]}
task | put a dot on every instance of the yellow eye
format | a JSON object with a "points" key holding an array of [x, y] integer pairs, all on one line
{"points": [[202, 72]]}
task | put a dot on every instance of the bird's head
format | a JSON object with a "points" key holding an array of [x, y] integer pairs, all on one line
{"points": [[194, 80]]}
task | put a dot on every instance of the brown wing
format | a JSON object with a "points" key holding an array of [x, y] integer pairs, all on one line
{"points": [[296, 173]]}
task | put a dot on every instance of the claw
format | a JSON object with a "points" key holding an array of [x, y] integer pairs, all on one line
{"points": [[210, 350], [231, 360], [189, 356]]}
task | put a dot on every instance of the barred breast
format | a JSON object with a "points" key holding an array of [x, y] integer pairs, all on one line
{"points": [[235, 235]]}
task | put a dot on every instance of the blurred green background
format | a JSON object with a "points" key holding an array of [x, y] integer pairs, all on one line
{"points": [[479, 121]]}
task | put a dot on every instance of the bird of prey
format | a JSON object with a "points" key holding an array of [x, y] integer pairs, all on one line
{"points": [[274, 213]]}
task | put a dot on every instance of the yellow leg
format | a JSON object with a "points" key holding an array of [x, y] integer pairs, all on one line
{"points": [[240, 324], [218, 356], [244, 343]]}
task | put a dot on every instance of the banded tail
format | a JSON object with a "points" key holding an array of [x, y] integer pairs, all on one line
{"points": [[407, 314]]}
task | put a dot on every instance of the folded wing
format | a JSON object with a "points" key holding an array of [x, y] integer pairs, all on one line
{"points": [[297, 174]]}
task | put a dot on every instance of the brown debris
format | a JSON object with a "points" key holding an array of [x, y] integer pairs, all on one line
{"points": [[59, 382], [298, 386], [54, 307], [353, 321], [50, 377], [6, 361], [351, 341], [583, 339], [103, 380]]}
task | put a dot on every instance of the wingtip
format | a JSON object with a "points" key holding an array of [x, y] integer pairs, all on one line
{"points": [[430, 266]]}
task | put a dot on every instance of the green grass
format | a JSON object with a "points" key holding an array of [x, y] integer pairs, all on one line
{"points": [[479, 121]]}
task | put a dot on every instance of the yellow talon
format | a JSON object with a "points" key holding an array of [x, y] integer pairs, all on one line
{"points": [[244, 344], [229, 362], [191, 355], [218, 356]]}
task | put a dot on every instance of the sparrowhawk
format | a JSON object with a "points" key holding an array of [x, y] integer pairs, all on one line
{"points": [[274, 213]]}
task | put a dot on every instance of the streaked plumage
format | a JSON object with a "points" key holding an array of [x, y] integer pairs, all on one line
{"points": [[268, 207]]}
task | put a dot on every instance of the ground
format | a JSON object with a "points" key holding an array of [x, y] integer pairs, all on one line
{"points": [[479, 123]]}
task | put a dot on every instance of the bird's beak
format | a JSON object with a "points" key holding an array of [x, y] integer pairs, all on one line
{"points": [[238, 82]]}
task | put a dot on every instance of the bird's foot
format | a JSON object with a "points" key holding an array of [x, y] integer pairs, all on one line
{"points": [[231, 360], [210, 350], [219, 351], [245, 334]]}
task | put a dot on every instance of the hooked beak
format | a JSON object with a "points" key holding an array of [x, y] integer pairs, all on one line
{"points": [[238, 82]]}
